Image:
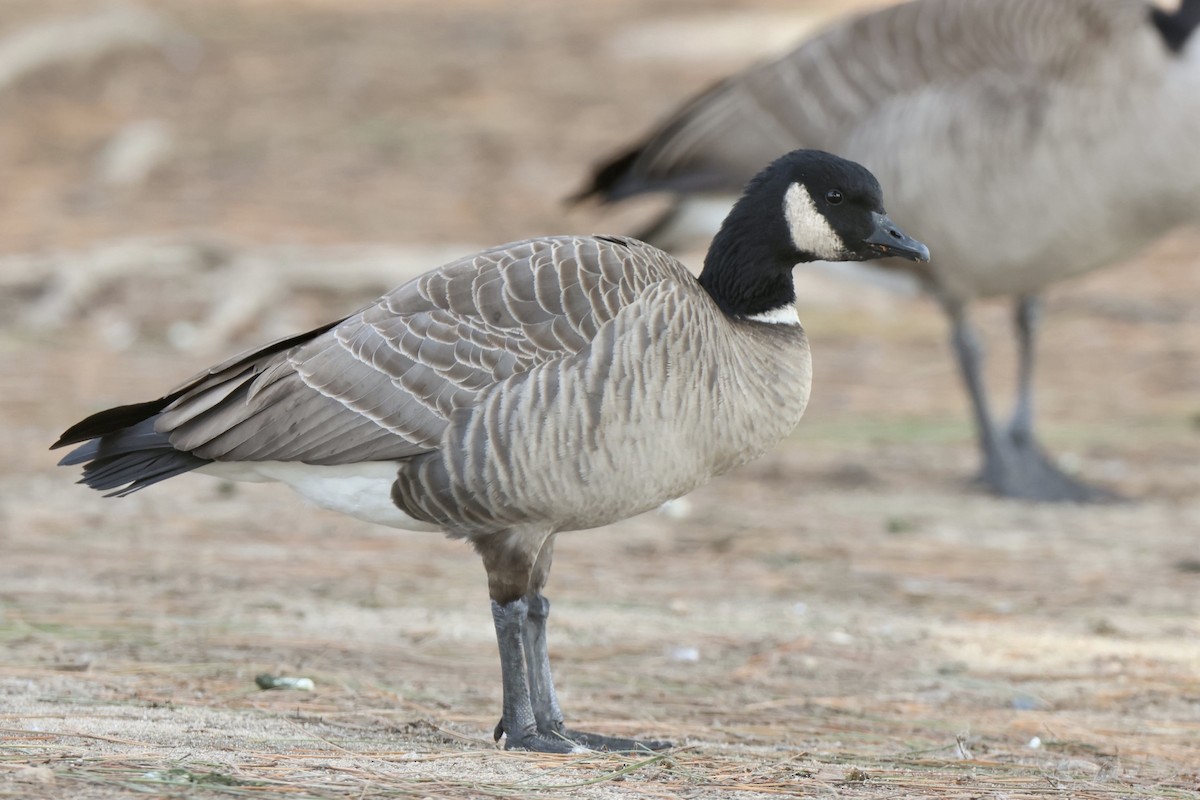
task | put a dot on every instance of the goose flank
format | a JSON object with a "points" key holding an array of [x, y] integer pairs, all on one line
{"points": [[1026, 141], [543, 386]]}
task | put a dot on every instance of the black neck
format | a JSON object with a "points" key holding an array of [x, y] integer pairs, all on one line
{"points": [[1176, 28], [743, 273]]}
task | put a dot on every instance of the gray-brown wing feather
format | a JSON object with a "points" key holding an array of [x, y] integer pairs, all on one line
{"points": [[382, 384], [817, 94]]}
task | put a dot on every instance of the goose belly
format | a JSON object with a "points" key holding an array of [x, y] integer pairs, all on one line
{"points": [[1025, 253], [363, 491]]}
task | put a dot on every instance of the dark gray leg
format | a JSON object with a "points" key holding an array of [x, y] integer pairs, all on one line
{"points": [[518, 720], [1028, 312], [969, 352], [1014, 465], [544, 699], [537, 655], [518, 565], [1044, 478], [510, 558]]}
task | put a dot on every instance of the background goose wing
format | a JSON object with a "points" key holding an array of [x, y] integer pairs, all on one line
{"points": [[382, 384], [819, 93]]}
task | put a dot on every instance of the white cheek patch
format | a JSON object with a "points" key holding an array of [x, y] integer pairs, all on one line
{"points": [[811, 232]]}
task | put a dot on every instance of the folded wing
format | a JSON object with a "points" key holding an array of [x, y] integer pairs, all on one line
{"points": [[383, 383]]}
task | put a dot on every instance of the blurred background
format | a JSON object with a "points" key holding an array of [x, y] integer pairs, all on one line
{"points": [[181, 179], [197, 176]]}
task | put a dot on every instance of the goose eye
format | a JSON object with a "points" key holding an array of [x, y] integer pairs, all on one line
{"points": [[833, 197]]}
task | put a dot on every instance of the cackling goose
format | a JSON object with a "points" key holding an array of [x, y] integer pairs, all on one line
{"points": [[548, 385], [1026, 141]]}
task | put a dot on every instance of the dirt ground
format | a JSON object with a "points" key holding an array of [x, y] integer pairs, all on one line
{"points": [[848, 616]]}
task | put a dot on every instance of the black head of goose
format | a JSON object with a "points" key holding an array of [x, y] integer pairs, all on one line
{"points": [[1026, 141], [543, 386]]}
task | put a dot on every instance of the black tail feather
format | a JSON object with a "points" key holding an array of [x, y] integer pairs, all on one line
{"points": [[129, 459], [135, 471], [608, 179], [140, 436], [110, 421]]}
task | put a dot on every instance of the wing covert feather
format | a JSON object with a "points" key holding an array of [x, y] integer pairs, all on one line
{"points": [[383, 383]]}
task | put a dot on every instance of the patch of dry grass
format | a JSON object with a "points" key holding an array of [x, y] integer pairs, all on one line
{"points": [[862, 623]]}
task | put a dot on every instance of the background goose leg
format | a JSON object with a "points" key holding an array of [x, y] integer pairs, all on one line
{"points": [[968, 351], [1014, 465], [1045, 479]]}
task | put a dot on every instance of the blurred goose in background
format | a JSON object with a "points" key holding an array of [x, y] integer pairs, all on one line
{"points": [[1026, 141], [548, 385]]}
